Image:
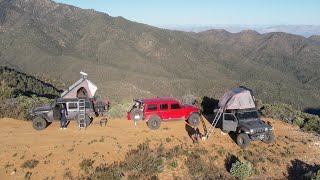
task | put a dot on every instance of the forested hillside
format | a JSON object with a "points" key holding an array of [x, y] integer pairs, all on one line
{"points": [[128, 59]]}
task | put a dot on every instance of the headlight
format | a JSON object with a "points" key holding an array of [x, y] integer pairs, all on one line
{"points": [[266, 129], [251, 130]]}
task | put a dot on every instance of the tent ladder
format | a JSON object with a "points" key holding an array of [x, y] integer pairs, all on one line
{"points": [[214, 122], [82, 114]]}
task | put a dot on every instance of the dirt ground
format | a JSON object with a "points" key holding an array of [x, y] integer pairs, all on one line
{"points": [[56, 150]]}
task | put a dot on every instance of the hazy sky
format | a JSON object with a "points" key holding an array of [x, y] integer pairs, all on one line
{"points": [[208, 12]]}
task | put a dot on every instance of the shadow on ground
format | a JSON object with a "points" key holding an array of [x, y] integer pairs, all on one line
{"points": [[301, 170]]}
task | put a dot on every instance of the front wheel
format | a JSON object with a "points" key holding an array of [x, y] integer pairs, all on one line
{"points": [[39, 123], [154, 122], [269, 139], [243, 140], [194, 119]]}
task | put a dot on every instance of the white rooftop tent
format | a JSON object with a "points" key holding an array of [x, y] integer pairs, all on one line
{"points": [[240, 98], [83, 88]]}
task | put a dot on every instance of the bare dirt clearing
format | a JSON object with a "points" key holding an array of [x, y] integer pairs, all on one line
{"points": [[56, 150]]}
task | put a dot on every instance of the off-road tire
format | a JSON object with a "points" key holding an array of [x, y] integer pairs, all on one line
{"points": [[39, 123], [194, 119], [88, 120], [136, 114], [154, 122], [269, 138], [243, 140]]}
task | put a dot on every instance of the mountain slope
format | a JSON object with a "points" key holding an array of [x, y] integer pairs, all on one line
{"points": [[127, 59]]}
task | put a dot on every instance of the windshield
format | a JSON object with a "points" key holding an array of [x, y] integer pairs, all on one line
{"points": [[247, 115]]}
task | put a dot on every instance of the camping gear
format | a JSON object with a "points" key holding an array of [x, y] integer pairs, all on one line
{"points": [[240, 98]]}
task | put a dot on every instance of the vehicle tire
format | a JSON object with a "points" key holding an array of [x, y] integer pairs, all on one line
{"points": [[269, 138], [136, 114], [88, 120], [154, 122], [194, 119], [243, 140], [39, 123]]}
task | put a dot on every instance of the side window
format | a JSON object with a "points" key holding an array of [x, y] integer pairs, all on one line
{"points": [[72, 105], [229, 117], [175, 106], [87, 104], [163, 106], [152, 107]]}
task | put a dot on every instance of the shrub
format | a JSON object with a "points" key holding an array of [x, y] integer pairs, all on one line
{"points": [[287, 114], [118, 111], [19, 107], [114, 171], [200, 169], [241, 170], [5, 91], [312, 124], [143, 161], [30, 164], [86, 164]]}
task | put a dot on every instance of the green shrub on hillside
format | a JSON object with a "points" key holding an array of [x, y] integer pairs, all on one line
{"points": [[118, 110], [5, 91], [287, 114], [241, 170], [20, 107]]}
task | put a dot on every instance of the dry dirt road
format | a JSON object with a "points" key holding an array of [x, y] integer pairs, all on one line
{"points": [[56, 150]]}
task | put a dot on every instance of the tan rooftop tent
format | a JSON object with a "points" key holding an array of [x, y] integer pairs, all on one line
{"points": [[240, 98], [83, 88]]}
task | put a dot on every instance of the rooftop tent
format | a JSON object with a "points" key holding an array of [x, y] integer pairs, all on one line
{"points": [[240, 98], [83, 88]]}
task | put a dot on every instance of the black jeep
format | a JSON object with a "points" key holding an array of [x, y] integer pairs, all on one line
{"points": [[41, 116], [248, 126]]}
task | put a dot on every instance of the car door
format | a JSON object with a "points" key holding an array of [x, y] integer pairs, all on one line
{"points": [[164, 111], [229, 122], [56, 112], [72, 108], [176, 111]]}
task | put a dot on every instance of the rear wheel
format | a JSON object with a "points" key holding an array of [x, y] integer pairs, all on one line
{"points": [[154, 122], [269, 139], [88, 120], [194, 119], [243, 140], [39, 123], [136, 114]]}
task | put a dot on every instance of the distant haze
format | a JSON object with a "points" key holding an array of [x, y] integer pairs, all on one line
{"points": [[302, 30]]}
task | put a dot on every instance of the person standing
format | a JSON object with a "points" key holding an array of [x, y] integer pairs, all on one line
{"points": [[63, 117]]}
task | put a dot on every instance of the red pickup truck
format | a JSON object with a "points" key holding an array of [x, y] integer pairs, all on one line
{"points": [[155, 110]]}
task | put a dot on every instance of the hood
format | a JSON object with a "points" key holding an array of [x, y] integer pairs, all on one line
{"points": [[254, 124], [44, 108]]}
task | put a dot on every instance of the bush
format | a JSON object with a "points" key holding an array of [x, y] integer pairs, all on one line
{"points": [[30, 164], [5, 91], [200, 169], [241, 170], [286, 113], [143, 161], [118, 110], [312, 124], [20, 107], [86, 165]]}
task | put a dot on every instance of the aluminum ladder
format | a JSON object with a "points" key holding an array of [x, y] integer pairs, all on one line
{"points": [[214, 122], [82, 114]]}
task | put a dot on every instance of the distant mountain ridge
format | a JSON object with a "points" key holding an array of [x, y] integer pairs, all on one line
{"points": [[302, 30], [128, 59]]}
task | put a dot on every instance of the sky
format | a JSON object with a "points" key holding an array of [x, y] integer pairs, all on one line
{"points": [[208, 12]]}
